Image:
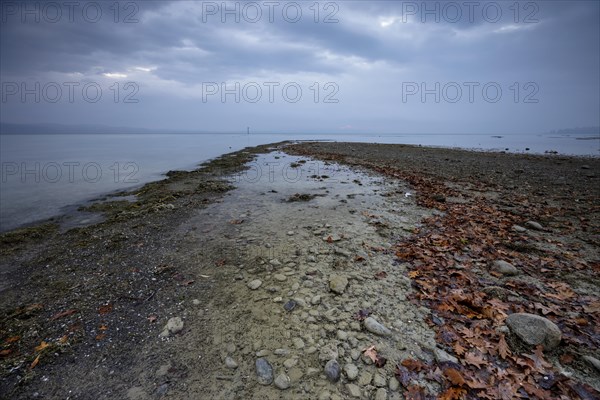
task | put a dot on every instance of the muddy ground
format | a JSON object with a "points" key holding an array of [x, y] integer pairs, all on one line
{"points": [[279, 253]]}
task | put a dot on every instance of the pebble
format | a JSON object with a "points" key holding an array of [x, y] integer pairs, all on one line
{"points": [[281, 352], [298, 343], [332, 370], [290, 305], [315, 300], [196, 302], [173, 326], [355, 326], [230, 348], [518, 228], [230, 363], [300, 301], [593, 361], [441, 356], [505, 268], [351, 371], [342, 335], [534, 330], [338, 284], [163, 370], [264, 371], [342, 252], [295, 374], [498, 292], [393, 384], [353, 390], [373, 326], [290, 362], [280, 277], [534, 225], [255, 284], [381, 394], [379, 380], [324, 395], [365, 378], [328, 352], [282, 381], [290, 233]]}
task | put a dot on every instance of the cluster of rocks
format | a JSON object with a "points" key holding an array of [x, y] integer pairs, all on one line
{"points": [[321, 348], [333, 290]]}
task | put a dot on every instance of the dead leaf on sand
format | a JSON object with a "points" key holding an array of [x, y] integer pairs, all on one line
{"points": [[42, 346], [35, 362], [377, 359], [63, 314], [12, 339], [105, 309], [5, 352]]}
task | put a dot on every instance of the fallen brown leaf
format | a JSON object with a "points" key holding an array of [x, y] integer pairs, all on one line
{"points": [[413, 365], [454, 377], [35, 362], [475, 359], [415, 393], [63, 314], [371, 353], [5, 352], [12, 339], [538, 358], [453, 393], [377, 359], [503, 347], [42, 346], [105, 309]]}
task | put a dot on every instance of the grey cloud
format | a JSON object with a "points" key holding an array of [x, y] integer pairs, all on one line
{"points": [[560, 53]]}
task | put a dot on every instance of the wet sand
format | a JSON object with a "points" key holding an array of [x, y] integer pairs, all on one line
{"points": [[271, 253]]}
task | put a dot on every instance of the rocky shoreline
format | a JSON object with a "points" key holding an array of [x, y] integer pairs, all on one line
{"points": [[317, 270]]}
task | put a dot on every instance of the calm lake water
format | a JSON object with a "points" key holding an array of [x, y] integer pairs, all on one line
{"points": [[46, 175]]}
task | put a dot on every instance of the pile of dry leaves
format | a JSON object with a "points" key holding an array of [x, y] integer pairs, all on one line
{"points": [[446, 258]]}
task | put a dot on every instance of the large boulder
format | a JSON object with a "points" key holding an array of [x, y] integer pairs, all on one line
{"points": [[534, 330]]}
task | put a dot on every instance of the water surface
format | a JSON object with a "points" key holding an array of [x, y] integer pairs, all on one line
{"points": [[46, 175]]}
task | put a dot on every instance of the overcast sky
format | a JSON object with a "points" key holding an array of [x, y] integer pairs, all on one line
{"points": [[345, 66]]}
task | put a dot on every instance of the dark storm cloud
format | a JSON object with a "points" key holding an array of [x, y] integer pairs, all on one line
{"points": [[370, 51]]}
